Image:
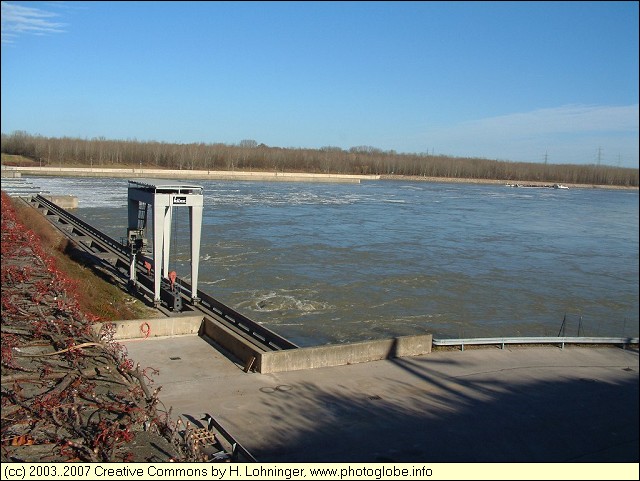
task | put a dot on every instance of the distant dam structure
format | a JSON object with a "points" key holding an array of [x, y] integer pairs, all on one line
{"points": [[191, 174], [15, 185]]}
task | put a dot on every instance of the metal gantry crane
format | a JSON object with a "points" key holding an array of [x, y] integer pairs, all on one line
{"points": [[163, 196]]}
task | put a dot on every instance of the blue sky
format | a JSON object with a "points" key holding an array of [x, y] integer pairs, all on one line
{"points": [[516, 81]]}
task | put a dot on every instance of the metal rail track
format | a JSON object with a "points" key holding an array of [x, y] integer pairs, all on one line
{"points": [[114, 256]]}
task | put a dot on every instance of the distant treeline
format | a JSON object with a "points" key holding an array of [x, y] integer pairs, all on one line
{"points": [[248, 155]]}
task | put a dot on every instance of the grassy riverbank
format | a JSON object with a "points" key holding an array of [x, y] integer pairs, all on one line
{"points": [[97, 295]]}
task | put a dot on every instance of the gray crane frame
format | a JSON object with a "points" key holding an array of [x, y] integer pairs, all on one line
{"points": [[163, 195]]}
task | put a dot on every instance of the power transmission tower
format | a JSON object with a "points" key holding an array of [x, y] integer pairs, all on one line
{"points": [[546, 158], [599, 155]]}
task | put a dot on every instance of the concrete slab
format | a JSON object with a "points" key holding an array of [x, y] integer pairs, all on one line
{"points": [[531, 404]]}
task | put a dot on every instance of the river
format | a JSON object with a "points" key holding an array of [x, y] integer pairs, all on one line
{"points": [[325, 263]]}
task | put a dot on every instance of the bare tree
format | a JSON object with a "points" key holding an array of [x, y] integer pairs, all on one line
{"points": [[249, 155]]}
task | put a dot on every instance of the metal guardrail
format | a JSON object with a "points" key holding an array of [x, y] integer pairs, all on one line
{"points": [[237, 449], [534, 340]]}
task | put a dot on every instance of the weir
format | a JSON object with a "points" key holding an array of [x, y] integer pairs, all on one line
{"points": [[256, 347]]}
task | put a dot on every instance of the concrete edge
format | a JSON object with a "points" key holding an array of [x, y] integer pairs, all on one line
{"points": [[64, 201], [341, 354], [154, 327], [190, 174], [229, 340], [266, 362]]}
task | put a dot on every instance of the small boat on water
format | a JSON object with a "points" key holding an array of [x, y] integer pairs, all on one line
{"points": [[560, 186]]}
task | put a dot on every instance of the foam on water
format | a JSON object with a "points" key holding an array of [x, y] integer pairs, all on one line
{"points": [[295, 302]]}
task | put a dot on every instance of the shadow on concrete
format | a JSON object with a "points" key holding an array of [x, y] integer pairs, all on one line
{"points": [[445, 419]]}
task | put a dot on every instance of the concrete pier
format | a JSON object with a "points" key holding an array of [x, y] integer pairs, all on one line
{"points": [[64, 201], [15, 185], [9, 174]]}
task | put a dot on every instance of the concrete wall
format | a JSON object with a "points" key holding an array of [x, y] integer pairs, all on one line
{"points": [[272, 361], [229, 340], [161, 327], [64, 201], [341, 354], [191, 174]]}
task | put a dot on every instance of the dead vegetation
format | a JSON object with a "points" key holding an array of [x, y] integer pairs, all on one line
{"points": [[69, 392], [97, 296]]}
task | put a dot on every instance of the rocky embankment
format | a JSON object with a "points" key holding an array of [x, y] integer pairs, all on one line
{"points": [[69, 394]]}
